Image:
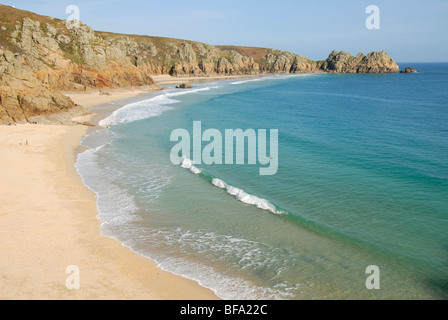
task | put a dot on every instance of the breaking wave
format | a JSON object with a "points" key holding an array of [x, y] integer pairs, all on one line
{"points": [[238, 193], [145, 109]]}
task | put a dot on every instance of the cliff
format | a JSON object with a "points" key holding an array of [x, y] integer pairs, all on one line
{"points": [[374, 62], [42, 57]]}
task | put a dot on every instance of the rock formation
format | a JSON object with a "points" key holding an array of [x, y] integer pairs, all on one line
{"points": [[40, 58], [43, 57], [374, 62], [409, 70], [184, 86]]}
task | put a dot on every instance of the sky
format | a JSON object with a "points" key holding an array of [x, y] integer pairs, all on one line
{"points": [[410, 31]]}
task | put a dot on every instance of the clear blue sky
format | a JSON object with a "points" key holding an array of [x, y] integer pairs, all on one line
{"points": [[411, 30]]}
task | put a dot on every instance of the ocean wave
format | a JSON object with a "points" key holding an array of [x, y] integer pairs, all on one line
{"points": [[245, 197], [181, 93], [188, 164], [139, 110], [148, 108], [238, 193], [267, 78], [249, 254], [246, 81], [115, 207]]}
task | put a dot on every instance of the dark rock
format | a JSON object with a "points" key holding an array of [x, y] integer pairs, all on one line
{"points": [[184, 86], [409, 70]]}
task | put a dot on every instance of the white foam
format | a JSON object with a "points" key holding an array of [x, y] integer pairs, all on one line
{"points": [[219, 183], [148, 108], [115, 206], [139, 110], [181, 93], [224, 286], [277, 77], [239, 194], [188, 164], [296, 75], [246, 198], [246, 81], [247, 254]]}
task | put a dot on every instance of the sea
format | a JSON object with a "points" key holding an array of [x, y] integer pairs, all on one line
{"points": [[357, 209]]}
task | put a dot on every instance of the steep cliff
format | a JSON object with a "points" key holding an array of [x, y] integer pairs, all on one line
{"points": [[374, 62], [42, 57]]}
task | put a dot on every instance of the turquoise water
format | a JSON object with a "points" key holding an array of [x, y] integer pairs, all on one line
{"points": [[362, 180]]}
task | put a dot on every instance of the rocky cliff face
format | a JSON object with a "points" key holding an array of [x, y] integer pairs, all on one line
{"points": [[374, 62], [42, 57]]}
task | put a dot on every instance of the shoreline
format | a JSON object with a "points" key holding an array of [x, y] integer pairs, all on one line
{"points": [[48, 222], [100, 101], [170, 80]]}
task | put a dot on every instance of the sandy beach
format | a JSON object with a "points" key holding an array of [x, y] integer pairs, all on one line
{"points": [[96, 98], [48, 222]]}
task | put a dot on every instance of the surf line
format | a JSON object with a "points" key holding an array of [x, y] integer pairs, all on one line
{"points": [[233, 144]]}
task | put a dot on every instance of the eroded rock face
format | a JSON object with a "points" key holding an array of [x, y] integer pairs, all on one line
{"points": [[40, 59], [374, 62]]}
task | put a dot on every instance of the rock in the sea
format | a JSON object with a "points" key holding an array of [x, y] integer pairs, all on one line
{"points": [[184, 86], [409, 70], [374, 62]]}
